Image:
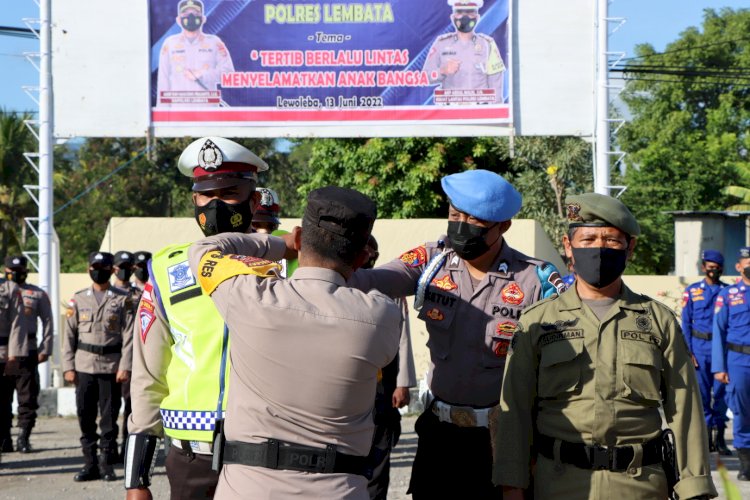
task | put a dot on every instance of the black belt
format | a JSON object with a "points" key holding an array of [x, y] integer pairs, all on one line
{"points": [[702, 335], [615, 459], [744, 349], [100, 349], [280, 455]]}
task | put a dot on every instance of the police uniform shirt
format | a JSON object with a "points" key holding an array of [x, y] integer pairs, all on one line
{"points": [[407, 374], [731, 325], [698, 314], [600, 383], [469, 327], [305, 353], [36, 305], [14, 341], [151, 357], [481, 66], [192, 64], [108, 323]]}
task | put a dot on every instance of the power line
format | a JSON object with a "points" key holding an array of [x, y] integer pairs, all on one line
{"points": [[100, 181], [683, 82], [17, 32], [687, 49]]}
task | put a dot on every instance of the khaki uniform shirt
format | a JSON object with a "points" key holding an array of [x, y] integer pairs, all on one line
{"points": [[14, 341], [407, 374], [305, 354], [36, 305], [148, 384], [600, 383], [192, 64], [469, 328], [481, 67], [106, 324]]}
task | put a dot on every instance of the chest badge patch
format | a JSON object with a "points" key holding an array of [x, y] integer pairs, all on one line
{"points": [[512, 294], [435, 314], [415, 257], [643, 323], [445, 283], [180, 276]]}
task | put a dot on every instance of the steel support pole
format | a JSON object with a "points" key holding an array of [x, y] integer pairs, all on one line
{"points": [[601, 144], [46, 267]]}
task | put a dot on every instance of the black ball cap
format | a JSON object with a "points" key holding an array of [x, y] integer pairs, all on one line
{"points": [[123, 257], [102, 258], [16, 261], [341, 211], [142, 257]]}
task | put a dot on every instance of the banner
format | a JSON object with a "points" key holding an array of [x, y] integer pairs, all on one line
{"points": [[274, 62]]}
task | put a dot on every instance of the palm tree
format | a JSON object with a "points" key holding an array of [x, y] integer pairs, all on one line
{"points": [[15, 203], [740, 192]]}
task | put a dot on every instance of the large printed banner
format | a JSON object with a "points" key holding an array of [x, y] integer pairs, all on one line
{"points": [[274, 61]]}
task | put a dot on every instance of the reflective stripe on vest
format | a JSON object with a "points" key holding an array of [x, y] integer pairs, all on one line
{"points": [[196, 328], [189, 420]]}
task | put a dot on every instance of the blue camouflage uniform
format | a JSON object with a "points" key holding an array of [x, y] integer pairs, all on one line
{"points": [[731, 336], [697, 321]]}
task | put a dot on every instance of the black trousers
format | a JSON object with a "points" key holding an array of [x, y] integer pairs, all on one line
{"points": [[26, 383], [7, 385], [385, 438], [98, 394], [190, 475], [452, 461], [126, 411]]}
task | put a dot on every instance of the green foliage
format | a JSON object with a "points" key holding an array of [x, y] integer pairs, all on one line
{"points": [[150, 186], [688, 136], [15, 203], [403, 175]]}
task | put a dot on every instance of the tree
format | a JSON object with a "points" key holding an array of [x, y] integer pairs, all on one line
{"points": [[15, 203], [149, 184], [403, 175], [688, 135]]}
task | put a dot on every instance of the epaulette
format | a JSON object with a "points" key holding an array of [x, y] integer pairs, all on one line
{"points": [[442, 38], [486, 37]]}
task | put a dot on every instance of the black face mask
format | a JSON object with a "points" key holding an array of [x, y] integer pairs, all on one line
{"points": [[746, 272], [100, 276], [714, 274], [599, 266], [465, 24], [191, 22], [467, 240], [123, 274], [141, 274], [219, 216], [17, 276]]}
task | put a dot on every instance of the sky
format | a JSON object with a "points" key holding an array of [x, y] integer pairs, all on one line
{"points": [[657, 22]]}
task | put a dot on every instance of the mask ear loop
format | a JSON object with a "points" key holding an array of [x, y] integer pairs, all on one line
{"points": [[498, 236]]}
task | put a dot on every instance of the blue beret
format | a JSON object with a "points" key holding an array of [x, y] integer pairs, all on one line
{"points": [[744, 253], [483, 194], [713, 256]]}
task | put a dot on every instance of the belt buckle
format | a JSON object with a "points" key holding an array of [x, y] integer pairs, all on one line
{"points": [[599, 457], [463, 417]]}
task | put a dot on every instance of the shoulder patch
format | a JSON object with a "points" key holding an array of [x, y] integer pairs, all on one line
{"points": [[415, 257], [552, 283], [216, 267]]}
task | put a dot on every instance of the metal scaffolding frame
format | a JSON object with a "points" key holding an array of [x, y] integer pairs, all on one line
{"points": [[46, 258], [602, 130]]}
